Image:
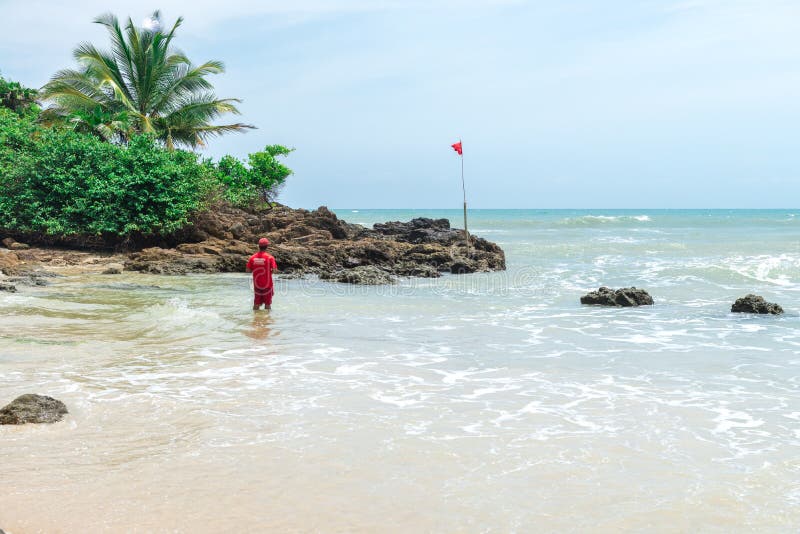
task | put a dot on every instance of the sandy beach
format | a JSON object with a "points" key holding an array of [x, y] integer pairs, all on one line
{"points": [[482, 402]]}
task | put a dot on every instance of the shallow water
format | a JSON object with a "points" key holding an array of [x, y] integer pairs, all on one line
{"points": [[487, 402]]}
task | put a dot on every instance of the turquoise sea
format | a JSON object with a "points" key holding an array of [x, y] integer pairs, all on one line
{"points": [[491, 402]]}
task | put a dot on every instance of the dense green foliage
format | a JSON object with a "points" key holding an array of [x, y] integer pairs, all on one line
{"points": [[141, 85], [259, 179], [56, 181], [17, 98]]}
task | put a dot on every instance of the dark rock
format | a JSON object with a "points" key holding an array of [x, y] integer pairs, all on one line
{"points": [[625, 297], [33, 278], [231, 263], [324, 219], [755, 304], [237, 247], [398, 227], [238, 230], [155, 260], [114, 268], [418, 270], [420, 230], [211, 246], [297, 259], [350, 262], [364, 275], [8, 288], [463, 266], [433, 255], [32, 408], [290, 276]]}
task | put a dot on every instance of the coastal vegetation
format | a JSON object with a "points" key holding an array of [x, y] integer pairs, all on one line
{"points": [[17, 98], [105, 150], [57, 181]]}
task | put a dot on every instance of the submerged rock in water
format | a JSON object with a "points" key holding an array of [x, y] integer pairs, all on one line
{"points": [[755, 304], [32, 278], [32, 408], [114, 268], [625, 297], [364, 275], [8, 288]]}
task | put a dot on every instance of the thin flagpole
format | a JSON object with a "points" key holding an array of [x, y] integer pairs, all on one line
{"points": [[464, 190]]}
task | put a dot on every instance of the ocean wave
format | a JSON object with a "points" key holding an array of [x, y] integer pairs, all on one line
{"points": [[779, 270], [602, 220], [177, 316]]}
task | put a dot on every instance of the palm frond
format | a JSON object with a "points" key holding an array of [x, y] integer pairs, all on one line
{"points": [[144, 76]]}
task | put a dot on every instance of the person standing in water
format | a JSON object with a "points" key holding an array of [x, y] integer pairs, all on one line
{"points": [[262, 264]]}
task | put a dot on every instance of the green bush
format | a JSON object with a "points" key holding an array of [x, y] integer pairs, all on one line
{"points": [[19, 99], [257, 180], [60, 182]]}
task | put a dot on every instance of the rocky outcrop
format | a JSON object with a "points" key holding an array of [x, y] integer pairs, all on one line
{"points": [[755, 304], [318, 242], [304, 242], [32, 408], [624, 297]]}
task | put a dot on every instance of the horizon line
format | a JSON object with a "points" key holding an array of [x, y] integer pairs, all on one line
{"points": [[459, 209]]}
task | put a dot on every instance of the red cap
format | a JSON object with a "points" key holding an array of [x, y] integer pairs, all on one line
{"points": [[263, 242]]}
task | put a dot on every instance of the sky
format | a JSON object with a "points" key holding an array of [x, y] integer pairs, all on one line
{"points": [[573, 104]]}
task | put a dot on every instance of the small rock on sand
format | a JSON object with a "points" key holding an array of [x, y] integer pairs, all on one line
{"points": [[32, 408], [624, 297]]}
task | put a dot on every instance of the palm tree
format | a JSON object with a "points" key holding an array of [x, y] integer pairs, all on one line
{"points": [[142, 85]]}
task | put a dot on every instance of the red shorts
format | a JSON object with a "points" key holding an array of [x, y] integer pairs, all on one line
{"points": [[264, 297]]}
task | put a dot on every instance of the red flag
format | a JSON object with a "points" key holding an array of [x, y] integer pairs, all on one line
{"points": [[457, 148]]}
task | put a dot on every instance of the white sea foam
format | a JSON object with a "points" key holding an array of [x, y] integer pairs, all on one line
{"points": [[593, 220], [732, 419]]}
